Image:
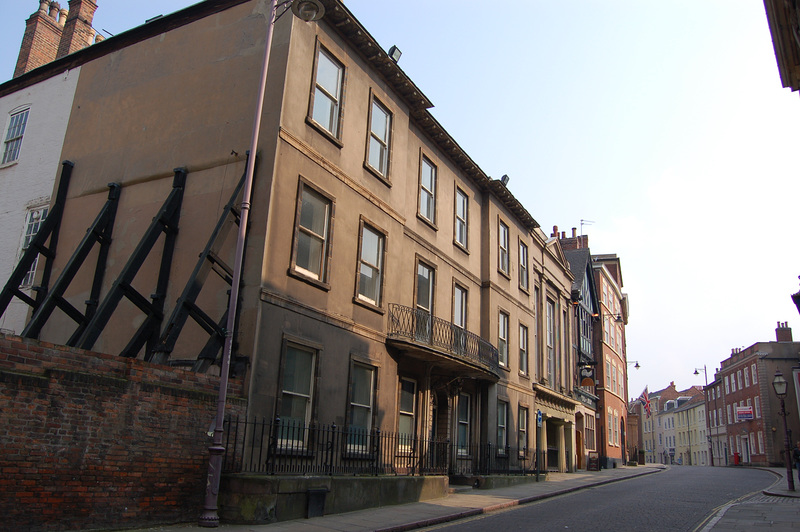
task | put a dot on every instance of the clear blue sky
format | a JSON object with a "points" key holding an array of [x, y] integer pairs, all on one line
{"points": [[662, 122]]}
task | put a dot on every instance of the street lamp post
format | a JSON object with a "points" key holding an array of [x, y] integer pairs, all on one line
{"points": [[779, 384], [308, 10], [708, 416]]}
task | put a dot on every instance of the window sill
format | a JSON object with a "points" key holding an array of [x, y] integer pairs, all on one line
{"points": [[383, 179], [426, 221], [324, 132], [310, 280], [460, 246], [369, 306], [10, 164], [504, 273]]}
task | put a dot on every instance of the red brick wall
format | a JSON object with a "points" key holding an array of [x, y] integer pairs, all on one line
{"points": [[39, 43], [90, 440]]}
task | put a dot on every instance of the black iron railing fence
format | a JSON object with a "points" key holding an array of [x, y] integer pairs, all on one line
{"points": [[420, 327], [282, 447]]}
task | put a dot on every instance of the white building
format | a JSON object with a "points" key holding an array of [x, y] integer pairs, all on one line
{"points": [[34, 120]]}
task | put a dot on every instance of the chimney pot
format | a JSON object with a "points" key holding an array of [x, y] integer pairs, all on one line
{"points": [[574, 232]]}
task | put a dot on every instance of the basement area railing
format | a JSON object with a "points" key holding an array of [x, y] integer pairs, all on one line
{"points": [[281, 447]]}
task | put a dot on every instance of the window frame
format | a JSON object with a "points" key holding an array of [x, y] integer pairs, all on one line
{"points": [[550, 340], [432, 193], [502, 426], [386, 143], [463, 445], [365, 436], [459, 221], [524, 338], [315, 350], [29, 231], [524, 282], [522, 430], [405, 441], [296, 270], [333, 136], [503, 248], [13, 145], [363, 299], [503, 329]]}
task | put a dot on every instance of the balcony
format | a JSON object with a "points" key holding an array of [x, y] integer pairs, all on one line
{"points": [[419, 335]]}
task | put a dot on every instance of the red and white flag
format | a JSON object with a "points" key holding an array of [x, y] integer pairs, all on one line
{"points": [[645, 402]]}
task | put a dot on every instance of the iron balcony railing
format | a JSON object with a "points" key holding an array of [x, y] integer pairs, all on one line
{"points": [[419, 327], [286, 448]]}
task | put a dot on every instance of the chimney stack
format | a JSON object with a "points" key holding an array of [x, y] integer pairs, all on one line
{"points": [[783, 333], [78, 32], [41, 39]]}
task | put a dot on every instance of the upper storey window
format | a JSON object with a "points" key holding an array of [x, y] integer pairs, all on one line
{"points": [[13, 140], [313, 232], [326, 102], [427, 191], [380, 130], [461, 218], [370, 278], [503, 254]]}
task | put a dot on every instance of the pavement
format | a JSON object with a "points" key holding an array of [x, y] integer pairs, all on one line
{"points": [[776, 507]]}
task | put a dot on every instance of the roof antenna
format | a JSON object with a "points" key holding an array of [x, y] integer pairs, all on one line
{"points": [[585, 222]]}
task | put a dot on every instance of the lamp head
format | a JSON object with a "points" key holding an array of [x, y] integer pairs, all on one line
{"points": [[779, 384], [308, 10]]}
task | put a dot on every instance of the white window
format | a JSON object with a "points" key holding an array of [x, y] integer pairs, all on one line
{"points": [[760, 442], [753, 373], [589, 429], [551, 343], [523, 349], [729, 418], [727, 386], [757, 407], [370, 265], [407, 413], [425, 287], [362, 383], [523, 265], [427, 190], [296, 395], [502, 426], [326, 103], [739, 378], [503, 252], [14, 134], [460, 306], [733, 382], [746, 378], [463, 434], [380, 129], [461, 218], [33, 222], [313, 230], [502, 338], [522, 430]]}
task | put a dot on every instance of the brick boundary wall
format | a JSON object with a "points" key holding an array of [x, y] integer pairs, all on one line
{"points": [[90, 440]]}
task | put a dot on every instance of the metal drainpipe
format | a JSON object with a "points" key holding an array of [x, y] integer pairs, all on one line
{"points": [[209, 517]]}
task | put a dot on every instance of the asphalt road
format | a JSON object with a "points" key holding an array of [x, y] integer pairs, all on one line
{"points": [[678, 499]]}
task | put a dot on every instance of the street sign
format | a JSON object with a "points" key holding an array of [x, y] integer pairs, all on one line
{"points": [[538, 418]]}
